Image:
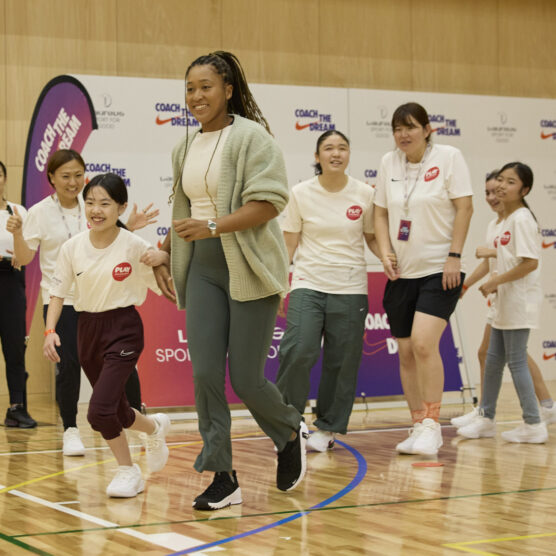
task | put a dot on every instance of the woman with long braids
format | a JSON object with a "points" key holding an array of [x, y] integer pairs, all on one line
{"points": [[229, 268]]}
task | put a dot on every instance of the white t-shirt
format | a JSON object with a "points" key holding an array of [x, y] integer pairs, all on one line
{"points": [[106, 278], [6, 238], [443, 176], [44, 227], [518, 302], [198, 160], [330, 256], [493, 231]]}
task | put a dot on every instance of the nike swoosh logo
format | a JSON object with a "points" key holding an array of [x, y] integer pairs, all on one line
{"points": [[392, 179], [299, 127], [79, 273], [547, 357], [437, 128], [547, 245], [125, 353], [160, 122], [546, 135]]}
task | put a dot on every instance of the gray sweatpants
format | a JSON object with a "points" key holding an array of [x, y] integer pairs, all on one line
{"points": [[340, 319], [218, 326]]}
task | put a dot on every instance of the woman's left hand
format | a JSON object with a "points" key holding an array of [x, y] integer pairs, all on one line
{"points": [[138, 220], [451, 276], [191, 229]]}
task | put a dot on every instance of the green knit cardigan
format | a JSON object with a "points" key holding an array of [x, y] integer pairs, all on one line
{"points": [[252, 169]]}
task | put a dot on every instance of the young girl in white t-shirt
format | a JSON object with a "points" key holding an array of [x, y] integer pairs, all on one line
{"points": [[517, 308], [104, 265], [487, 255]]}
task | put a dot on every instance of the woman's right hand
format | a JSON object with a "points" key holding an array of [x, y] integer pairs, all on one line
{"points": [[165, 282], [390, 264], [49, 347], [14, 224]]}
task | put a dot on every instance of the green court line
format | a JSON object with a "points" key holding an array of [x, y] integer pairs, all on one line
{"points": [[23, 545], [285, 512]]}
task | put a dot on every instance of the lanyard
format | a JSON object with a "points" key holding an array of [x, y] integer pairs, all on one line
{"points": [[408, 191], [57, 201]]}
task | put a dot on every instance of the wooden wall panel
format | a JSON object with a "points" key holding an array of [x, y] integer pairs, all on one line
{"points": [[3, 86], [45, 39], [527, 46], [455, 46], [159, 39], [277, 42], [365, 44]]}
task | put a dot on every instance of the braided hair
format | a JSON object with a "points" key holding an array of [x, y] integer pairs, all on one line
{"points": [[242, 101]]}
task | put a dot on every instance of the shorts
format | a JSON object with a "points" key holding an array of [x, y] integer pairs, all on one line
{"points": [[403, 297]]}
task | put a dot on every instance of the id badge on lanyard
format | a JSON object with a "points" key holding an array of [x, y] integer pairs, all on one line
{"points": [[405, 222], [404, 229]]}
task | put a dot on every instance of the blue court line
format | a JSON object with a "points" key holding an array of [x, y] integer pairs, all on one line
{"points": [[361, 472]]}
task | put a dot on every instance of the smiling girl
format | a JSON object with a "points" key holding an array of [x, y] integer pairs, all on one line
{"points": [[327, 222], [104, 265], [49, 224], [518, 293]]}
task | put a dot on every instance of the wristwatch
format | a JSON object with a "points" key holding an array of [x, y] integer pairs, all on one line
{"points": [[211, 225]]}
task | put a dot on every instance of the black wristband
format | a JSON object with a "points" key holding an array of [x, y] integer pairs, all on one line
{"points": [[456, 255]]}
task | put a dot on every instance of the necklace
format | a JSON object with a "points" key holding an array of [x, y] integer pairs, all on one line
{"points": [[208, 168], [58, 204]]}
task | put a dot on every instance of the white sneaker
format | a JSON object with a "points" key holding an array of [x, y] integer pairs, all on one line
{"points": [[480, 427], [429, 439], [155, 443], [548, 414], [532, 434], [464, 420], [406, 446], [72, 443], [127, 482], [320, 441]]}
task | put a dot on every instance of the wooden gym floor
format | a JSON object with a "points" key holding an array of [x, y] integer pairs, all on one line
{"points": [[487, 498]]}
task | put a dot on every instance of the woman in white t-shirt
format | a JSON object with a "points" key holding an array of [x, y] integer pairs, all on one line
{"points": [[487, 254], [104, 266], [12, 316], [422, 212], [517, 310], [326, 224], [49, 224]]}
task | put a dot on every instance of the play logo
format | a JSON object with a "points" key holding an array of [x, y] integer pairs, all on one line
{"points": [[121, 271]]}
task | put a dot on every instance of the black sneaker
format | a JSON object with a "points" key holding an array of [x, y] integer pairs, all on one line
{"points": [[18, 417], [292, 462], [221, 493]]}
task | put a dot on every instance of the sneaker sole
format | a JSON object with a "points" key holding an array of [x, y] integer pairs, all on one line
{"points": [[311, 448], [120, 495], [528, 441], [477, 436], [233, 499], [304, 432], [73, 453]]}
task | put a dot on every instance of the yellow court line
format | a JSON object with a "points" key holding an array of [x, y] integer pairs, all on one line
{"points": [[463, 546], [58, 473]]}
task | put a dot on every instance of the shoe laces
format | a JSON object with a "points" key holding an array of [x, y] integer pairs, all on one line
{"points": [[153, 441], [126, 474]]}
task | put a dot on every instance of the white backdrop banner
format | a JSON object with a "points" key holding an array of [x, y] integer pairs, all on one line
{"points": [[140, 121]]}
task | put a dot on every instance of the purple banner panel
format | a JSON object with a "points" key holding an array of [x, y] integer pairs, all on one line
{"points": [[63, 118]]}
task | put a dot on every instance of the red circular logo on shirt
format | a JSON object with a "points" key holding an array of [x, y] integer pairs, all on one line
{"points": [[354, 212], [505, 238], [121, 271], [432, 173]]}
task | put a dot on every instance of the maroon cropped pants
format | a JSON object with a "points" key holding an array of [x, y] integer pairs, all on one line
{"points": [[109, 345]]}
